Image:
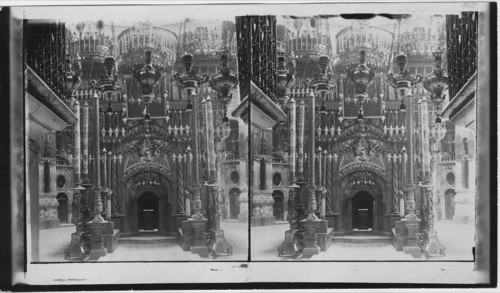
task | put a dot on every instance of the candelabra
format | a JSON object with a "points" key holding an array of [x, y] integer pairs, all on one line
{"points": [[321, 85], [223, 82], [190, 81], [436, 83], [361, 76]]}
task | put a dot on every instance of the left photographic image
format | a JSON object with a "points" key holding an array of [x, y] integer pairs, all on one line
{"points": [[131, 150]]}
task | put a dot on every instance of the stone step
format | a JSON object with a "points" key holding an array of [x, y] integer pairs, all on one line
{"points": [[361, 238], [147, 239]]}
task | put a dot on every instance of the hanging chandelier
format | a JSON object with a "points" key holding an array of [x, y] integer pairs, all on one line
{"points": [[323, 82], [224, 81], [108, 83], [190, 79], [72, 77], [402, 81], [361, 76], [147, 77], [284, 80], [437, 82]]}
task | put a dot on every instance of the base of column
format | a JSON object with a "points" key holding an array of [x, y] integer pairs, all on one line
{"points": [[414, 251], [221, 245], [198, 243], [310, 246], [288, 245], [95, 254], [412, 237], [96, 240], [263, 221], [433, 246]]}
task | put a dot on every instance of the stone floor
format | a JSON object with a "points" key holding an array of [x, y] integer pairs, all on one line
{"points": [[54, 241], [457, 238]]}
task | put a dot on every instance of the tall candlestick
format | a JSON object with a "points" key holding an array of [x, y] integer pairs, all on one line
{"points": [[311, 179], [77, 163], [97, 171], [210, 139], [196, 170], [293, 139], [301, 139], [85, 143]]}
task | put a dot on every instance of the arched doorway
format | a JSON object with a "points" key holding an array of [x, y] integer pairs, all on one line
{"points": [[278, 205], [62, 209], [148, 212], [449, 204], [234, 203], [362, 211]]}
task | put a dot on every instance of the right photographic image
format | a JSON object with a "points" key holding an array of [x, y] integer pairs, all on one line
{"points": [[362, 136]]}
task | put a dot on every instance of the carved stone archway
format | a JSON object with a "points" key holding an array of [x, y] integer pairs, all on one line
{"points": [[359, 182], [163, 191]]}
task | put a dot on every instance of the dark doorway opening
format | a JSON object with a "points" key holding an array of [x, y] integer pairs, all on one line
{"points": [[234, 203], [449, 204], [148, 205], [362, 211], [62, 209], [278, 205]]}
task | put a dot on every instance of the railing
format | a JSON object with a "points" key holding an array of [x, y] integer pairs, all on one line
{"points": [[461, 35], [45, 52]]}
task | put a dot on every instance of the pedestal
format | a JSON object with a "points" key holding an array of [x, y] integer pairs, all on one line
{"points": [[221, 245], [243, 215], [288, 245], [198, 243], [262, 209], [310, 246], [96, 240], [433, 246], [412, 236], [324, 235], [399, 237]]}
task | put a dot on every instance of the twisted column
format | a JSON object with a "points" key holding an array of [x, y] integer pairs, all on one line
{"points": [[329, 183], [104, 178], [180, 184], [395, 194]]}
